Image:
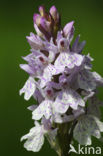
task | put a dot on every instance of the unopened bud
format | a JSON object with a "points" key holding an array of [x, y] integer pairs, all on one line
{"points": [[36, 19], [42, 10], [68, 29], [54, 12]]}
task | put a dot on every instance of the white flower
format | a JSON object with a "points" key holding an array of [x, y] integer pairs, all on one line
{"points": [[89, 80], [44, 109], [49, 71], [86, 127], [69, 60], [66, 99], [35, 138], [28, 89], [86, 81]]}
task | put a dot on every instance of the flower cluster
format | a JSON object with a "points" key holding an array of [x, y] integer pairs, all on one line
{"points": [[63, 83]]}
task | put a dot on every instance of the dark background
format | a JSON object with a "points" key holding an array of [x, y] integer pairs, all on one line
{"points": [[15, 24]]}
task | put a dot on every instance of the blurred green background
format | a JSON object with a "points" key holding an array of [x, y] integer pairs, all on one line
{"points": [[15, 24]]}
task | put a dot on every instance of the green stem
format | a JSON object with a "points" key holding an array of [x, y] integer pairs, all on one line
{"points": [[65, 138], [61, 144]]}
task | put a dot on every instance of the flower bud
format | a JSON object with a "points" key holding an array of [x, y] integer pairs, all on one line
{"points": [[42, 10], [36, 19], [47, 23], [68, 29], [54, 13], [56, 18]]}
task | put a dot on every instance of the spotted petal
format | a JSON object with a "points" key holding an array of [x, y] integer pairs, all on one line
{"points": [[66, 99], [83, 130], [28, 89], [49, 71], [35, 139], [85, 80], [68, 60], [44, 109]]}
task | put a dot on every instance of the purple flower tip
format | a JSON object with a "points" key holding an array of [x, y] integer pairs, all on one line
{"points": [[36, 17], [42, 10], [53, 9], [43, 22], [68, 28]]}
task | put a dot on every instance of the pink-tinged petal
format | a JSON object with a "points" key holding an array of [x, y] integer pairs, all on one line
{"points": [[27, 68], [53, 11], [49, 71], [35, 138], [44, 27], [32, 107], [38, 95], [68, 29], [59, 36], [36, 19], [75, 44], [35, 42], [98, 79], [86, 127], [39, 33], [69, 60], [44, 109], [78, 47], [78, 59], [28, 57], [28, 89], [66, 99], [86, 81]]}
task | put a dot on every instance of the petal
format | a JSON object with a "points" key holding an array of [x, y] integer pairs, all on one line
{"points": [[67, 98], [27, 68], [86, 127], [80, 135], [37, 30], [28, 89], [35, 42], [97, 78], [78, 47], [68, 60], [59, 36], [34, 144], [35, 139], [85, 80], [68, 29], [49, 71], [32, 107], [38, 95], [43, 109]]}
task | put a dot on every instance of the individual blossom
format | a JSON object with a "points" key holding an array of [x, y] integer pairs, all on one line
{"points": [[86, 127], [35, 137]]}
